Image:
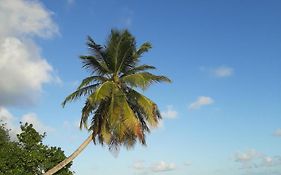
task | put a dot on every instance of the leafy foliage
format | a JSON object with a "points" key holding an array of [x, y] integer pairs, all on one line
{"points": [[4, 134], [28, 155], [119, 114]]}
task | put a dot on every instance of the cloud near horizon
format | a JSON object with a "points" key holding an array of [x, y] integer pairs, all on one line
{"points": [[254, 159], [24, 69], [163, 166], [12, 122], [160, 166]]}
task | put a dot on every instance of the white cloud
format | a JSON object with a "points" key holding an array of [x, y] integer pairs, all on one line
{"points": [[25, 72], [141, 168], [277, 133], [271, 161], [222, 71], [20, 61], [163, 166], [247, 156], [201, 101], [5, 115], [32, 118], [12, 122], [169, 113], [7, 118], [21, 17], [254, 159], [268, 160], [126, 17]]}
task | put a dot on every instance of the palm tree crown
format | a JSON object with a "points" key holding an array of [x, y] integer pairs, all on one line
{"points": [[120, 115]]}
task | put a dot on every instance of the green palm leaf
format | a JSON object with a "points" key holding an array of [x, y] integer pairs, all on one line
{"points": [[147, 107], [99, 66], [145, 47], [80, 92], [138, 69], [143, 79], [101, 93], [91, 79]]}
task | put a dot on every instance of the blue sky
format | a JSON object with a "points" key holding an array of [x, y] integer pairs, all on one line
{"points": [[221, 114]]}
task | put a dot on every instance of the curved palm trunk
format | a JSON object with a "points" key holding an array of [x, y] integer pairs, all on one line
{"points": [[70, 158]]}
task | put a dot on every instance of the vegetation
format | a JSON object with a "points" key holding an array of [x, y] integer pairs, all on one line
{"points": [[28, 155], [119, 114]]}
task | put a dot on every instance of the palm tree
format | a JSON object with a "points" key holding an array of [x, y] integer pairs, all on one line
{"points": [[120, 115]]}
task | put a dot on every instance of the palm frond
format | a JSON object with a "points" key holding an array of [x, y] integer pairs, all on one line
{"points": [[147, 106], [145, 47], [111, 49], [102, 92], [121, 45], [79, 93], [86, 111], [91, 79], [128, 116], [98, 66], [138, 69], [99, 119], [95, 48], [140, 113], [133, 59], [143, 79]]}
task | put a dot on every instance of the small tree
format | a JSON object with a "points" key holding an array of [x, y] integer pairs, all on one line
{"points": [[28, 155]]}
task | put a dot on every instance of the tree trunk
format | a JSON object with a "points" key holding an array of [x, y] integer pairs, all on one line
{"points": [[70, 158]]}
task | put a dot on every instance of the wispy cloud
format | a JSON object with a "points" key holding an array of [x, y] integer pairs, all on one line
{"points": [[161, 166], [70, 2], [222, 71], [20, 22], [126, 17], [169, 112], [277, 133], [254, 159], [139, 165], [33, 119], [219, 72], [201, 101], [247, 156]]}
